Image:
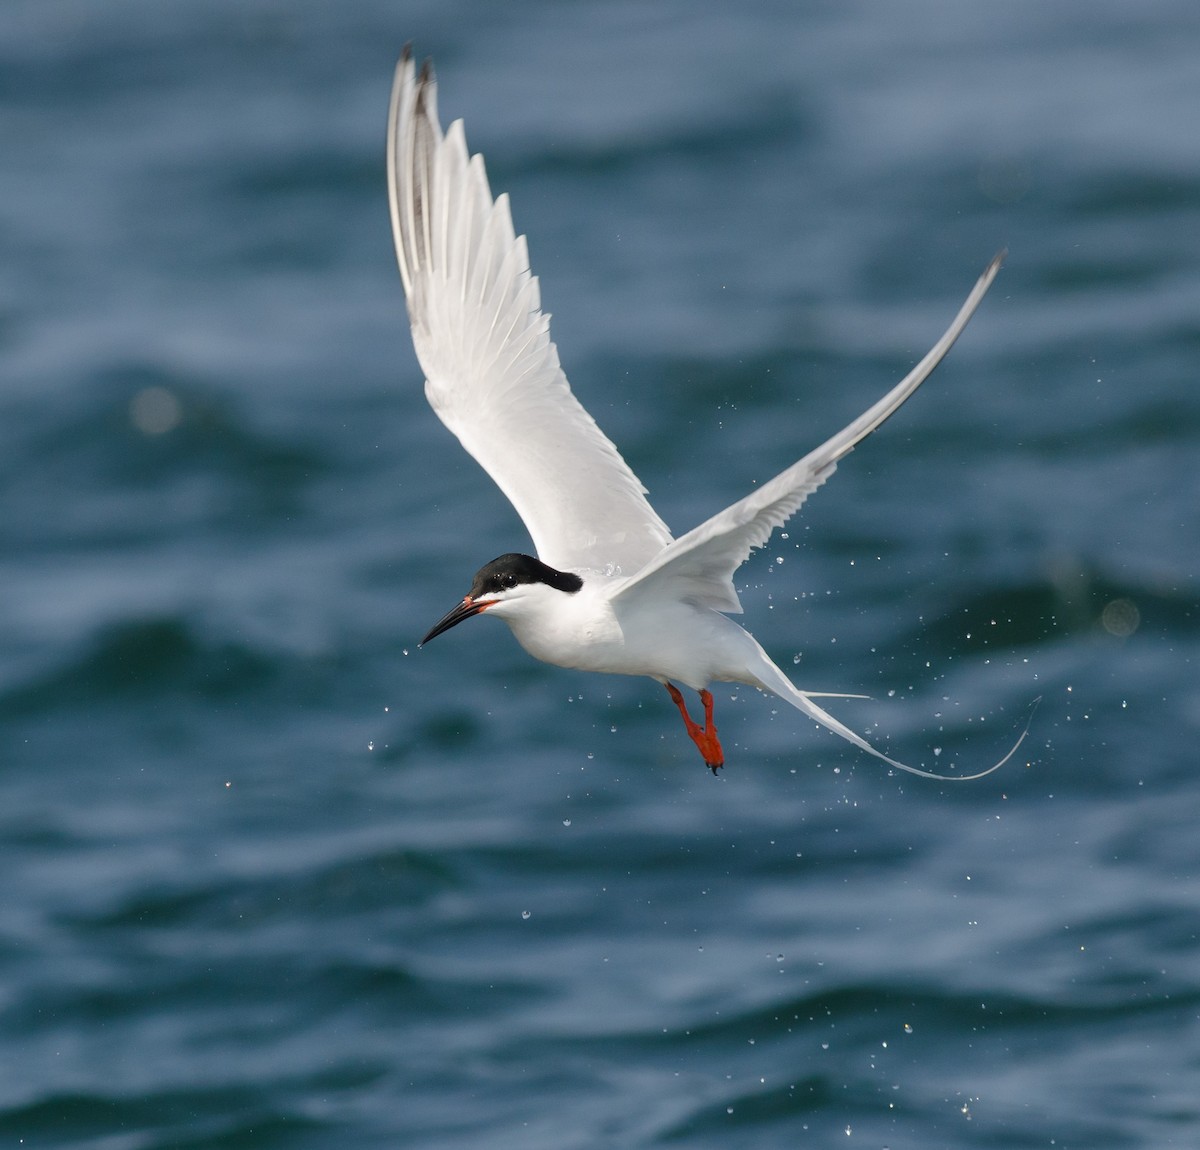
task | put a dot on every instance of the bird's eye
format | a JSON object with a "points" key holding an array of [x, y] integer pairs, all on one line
{"points": [[508, 582]]}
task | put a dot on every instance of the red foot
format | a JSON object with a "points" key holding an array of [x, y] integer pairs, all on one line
{"points": [[704, 737]]}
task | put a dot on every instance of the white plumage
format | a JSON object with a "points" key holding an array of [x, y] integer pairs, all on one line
{"points": [[610, 589]]}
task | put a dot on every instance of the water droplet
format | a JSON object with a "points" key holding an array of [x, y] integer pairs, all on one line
{"points": [[371, 745], [908, 1028], [566, 822], [526, 913]]}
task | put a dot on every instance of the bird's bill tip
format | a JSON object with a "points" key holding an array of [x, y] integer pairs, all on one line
{"points": [[464, 610]]}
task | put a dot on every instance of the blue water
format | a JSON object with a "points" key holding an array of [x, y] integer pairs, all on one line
{"points": [[272, 877]]}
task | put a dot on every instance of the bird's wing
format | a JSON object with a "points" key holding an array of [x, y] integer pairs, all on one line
{"points": [[700, 565], [492, 371]]}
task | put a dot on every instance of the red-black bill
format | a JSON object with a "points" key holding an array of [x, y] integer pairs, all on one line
{"points": [[456, 615]]}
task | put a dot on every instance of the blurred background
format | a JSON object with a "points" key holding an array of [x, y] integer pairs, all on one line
{"points": [[274, 877]]}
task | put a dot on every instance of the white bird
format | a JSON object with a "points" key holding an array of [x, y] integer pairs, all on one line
{"points": [[610, 590]]}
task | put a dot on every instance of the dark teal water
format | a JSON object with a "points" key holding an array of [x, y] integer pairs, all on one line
{"points": [[274, 878]]}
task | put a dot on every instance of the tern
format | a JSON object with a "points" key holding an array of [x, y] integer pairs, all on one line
{"points": [[610, 589]]}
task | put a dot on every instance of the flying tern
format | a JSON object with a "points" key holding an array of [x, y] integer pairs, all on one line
{"points": [[610, 589]]}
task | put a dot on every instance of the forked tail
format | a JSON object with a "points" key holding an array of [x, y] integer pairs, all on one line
{"points": [[779, 684]]}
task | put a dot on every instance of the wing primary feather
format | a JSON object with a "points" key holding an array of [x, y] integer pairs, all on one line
{"points": [[396, 161]]}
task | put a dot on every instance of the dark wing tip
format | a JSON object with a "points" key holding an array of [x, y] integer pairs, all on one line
{"points": [[425, 81], [425, 76]]}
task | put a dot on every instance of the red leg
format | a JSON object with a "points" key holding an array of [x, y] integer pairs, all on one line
{"points": [[704, 737]]}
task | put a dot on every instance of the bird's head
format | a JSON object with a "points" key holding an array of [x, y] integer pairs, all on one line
{"points": [[509, 587]]}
